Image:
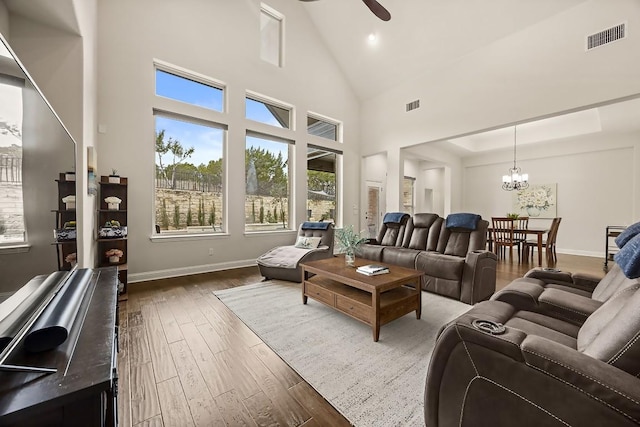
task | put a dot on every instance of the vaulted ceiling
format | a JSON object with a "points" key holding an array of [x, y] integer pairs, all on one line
{"points": [[422, 35]]}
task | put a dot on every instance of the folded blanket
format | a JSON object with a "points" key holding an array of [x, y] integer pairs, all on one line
{"points": [[463, 220], [628, 234], [286, 256], [315, 225], [629, 258], [395, 217]]}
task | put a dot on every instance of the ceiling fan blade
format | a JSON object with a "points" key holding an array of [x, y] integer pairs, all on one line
{"points": [[378, 9]]}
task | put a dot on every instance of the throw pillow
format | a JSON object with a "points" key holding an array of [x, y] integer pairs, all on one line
{"points": [[304, 242]]}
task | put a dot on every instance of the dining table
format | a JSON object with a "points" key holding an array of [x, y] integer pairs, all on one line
{"points": [[537, 231]]}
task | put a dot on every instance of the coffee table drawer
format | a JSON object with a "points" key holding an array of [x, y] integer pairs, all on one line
{"points": [[354, 308], [319, 293]]}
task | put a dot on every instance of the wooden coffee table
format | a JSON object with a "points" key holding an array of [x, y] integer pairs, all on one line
{"points": [[374, 300]]}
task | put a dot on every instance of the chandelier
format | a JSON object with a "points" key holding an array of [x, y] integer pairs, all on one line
{"points": [[515, 180]]}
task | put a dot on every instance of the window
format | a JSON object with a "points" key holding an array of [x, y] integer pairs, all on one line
{"points": [[264, 112], [322, 182], [271, 35], [267, 199], [189, 176], [408, 194], [189, 91], [322, 128], [12, 227]]}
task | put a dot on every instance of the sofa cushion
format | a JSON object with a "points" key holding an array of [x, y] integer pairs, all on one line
{"points": [[439, 265], [613, 282], [534, 328], [402, 257], [423, 231], [369, 251]]}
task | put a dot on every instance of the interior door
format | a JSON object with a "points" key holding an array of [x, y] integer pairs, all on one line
{"points": [[373, 214]]}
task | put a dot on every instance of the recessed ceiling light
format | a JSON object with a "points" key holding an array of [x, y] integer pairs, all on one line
{"points": [[372, 38]]}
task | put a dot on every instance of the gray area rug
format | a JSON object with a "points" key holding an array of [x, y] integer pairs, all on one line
{"points": [[371, 384]]}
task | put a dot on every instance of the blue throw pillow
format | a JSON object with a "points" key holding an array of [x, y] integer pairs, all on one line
{"points": [[629, 258], [627, 234]]}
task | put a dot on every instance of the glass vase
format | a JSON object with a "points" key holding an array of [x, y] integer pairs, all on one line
{"points": [[350, 258]]}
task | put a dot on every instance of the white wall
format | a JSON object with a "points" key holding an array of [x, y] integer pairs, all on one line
{"points": [[596, 180], [219, 39], [538, 71]]}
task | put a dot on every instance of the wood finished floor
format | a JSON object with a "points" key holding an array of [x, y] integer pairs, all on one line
{"points": [[186, 360]]}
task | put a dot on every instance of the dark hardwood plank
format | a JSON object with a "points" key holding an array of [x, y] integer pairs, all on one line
{"points": [[287, 376], [195, 389], [175, 410], [320, 410], [124, 376], [144, 394], [233, 411], [263, 411], [163, 366]]}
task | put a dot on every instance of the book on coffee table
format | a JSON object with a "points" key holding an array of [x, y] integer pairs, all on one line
{"points": [[372, 269]]}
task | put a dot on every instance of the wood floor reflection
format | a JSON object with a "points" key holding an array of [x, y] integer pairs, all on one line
{"points": [[187, 360]]}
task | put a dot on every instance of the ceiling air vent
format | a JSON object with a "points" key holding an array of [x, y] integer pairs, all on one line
{"points": [[413, 105], [607, 36]]}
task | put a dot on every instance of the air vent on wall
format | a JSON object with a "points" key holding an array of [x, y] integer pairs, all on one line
{"points": [[413, 105], [607, 36]]}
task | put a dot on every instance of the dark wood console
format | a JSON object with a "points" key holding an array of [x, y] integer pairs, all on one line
{"points": [[83, 391]]}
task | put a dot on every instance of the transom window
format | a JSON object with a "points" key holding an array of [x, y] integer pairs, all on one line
{"points": [[266, 112], [271, 31], [187, 90], [322, 128]]}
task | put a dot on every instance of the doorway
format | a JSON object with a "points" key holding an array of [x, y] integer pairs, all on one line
{"points": [[373, 215]]}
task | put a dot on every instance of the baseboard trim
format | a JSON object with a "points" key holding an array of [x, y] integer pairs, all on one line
{"points": [[581, 253], [186, 271]]}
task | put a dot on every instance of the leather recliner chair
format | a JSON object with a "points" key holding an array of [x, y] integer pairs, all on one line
{"points": [[500, 366], [391, 233]]}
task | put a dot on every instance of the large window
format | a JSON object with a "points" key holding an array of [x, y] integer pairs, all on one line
{"points": [[271, 35], [267, 201], [189, 166], [322, 183], [12, 227]]}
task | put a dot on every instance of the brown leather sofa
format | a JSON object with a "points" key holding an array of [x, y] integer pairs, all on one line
{"points": [[453, 259], [560, 294], [500, 365]]}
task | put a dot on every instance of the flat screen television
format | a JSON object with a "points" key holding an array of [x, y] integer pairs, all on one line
{"points": [[35, 147]]}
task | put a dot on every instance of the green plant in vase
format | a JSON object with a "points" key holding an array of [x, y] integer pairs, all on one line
{"points": [[347, 242]]}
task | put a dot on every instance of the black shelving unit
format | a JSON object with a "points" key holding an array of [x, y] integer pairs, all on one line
{"points": [[64, 245], [119, 240]]}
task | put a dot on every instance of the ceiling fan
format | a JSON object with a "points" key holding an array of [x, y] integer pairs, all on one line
{"points": [[375, 7]]}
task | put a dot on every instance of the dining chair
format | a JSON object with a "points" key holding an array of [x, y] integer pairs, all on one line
{"points": [[503, 236], [549, 244], [521, 223]]}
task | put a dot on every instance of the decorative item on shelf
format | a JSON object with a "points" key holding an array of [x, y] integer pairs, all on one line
{"points": [[70, 176], [64, 234], [72, 259], [348, 240], [112, 229], [515, 180], [113, 203], [114, 178], [69, 201], [114, 255]]}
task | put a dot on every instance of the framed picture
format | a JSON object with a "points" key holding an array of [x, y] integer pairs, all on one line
{"points": [[537, 201]]}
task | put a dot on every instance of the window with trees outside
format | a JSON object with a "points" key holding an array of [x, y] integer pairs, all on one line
{"points": [[267, 183], [12, 227], [269, 113], [322, 128], [322, 167], [189, 176]]}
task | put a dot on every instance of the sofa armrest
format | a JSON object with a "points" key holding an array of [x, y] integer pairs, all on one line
{"points": [[315, 254], [478, 276], [586, 282], [549, 275]]}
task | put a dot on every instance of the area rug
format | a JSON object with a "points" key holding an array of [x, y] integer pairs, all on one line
{"points": [[370, 383]]}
